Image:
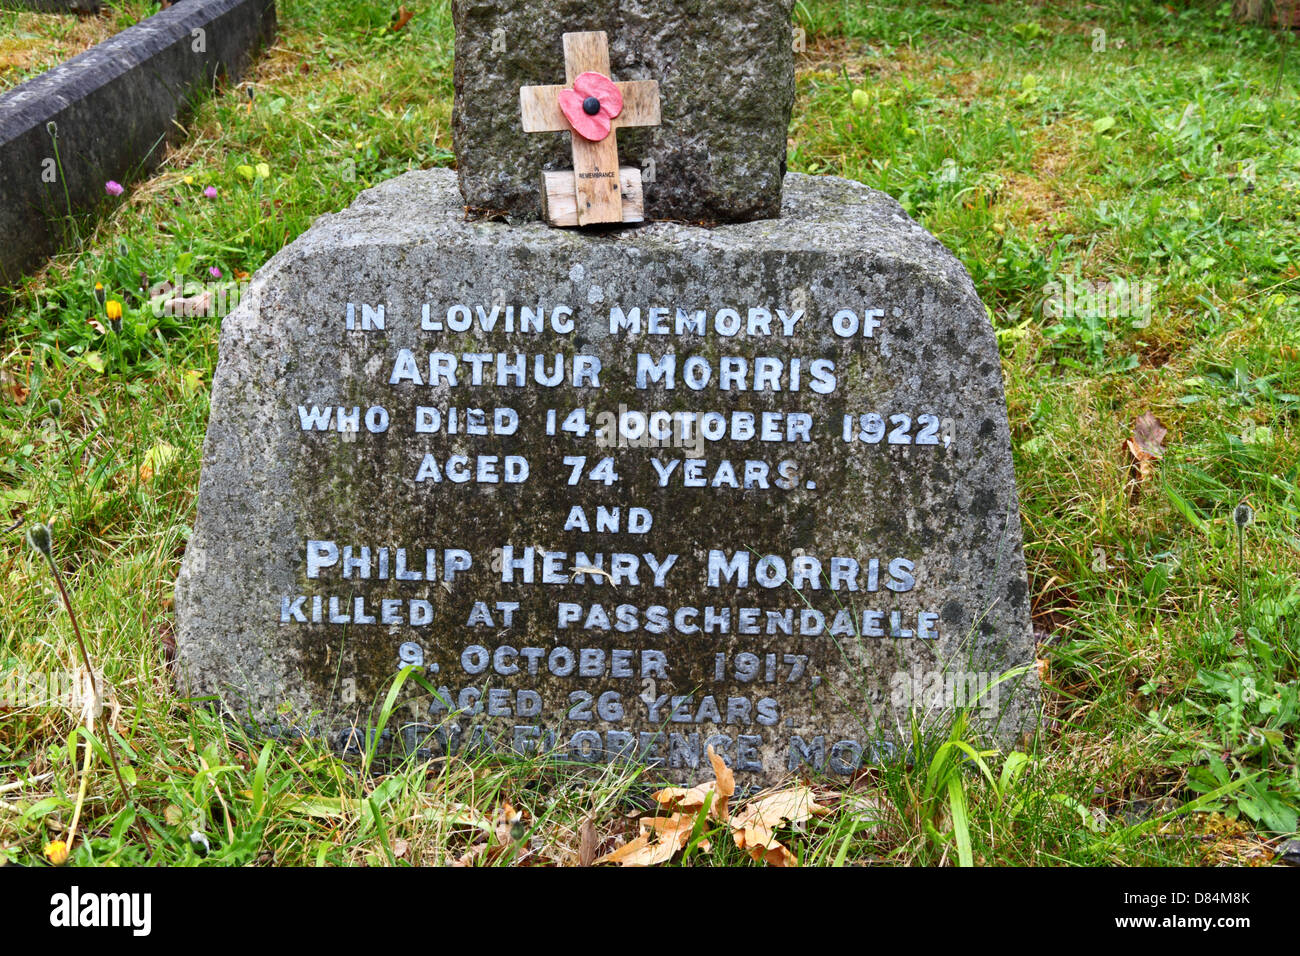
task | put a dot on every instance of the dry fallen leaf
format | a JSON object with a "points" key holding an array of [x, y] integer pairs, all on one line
{"points": [[508, 824], [660, 840], [778, 854], [587, 842], [753, 827], [401, 18], [15, 388], [662, 837], [470, 856], [682, 798], [692, 799], [726, 782], [1145, 446]]}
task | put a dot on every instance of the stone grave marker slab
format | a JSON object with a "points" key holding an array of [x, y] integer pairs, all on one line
{"points": [[725, 72], [620, 496]]}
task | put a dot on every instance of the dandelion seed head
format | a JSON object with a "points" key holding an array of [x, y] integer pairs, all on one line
{"points": [[38, 536]]}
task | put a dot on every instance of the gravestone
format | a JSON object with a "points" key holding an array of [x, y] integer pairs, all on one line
{"points": [[611, 495], [726, 75]]}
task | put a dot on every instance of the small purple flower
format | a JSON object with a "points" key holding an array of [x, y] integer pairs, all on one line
{"points": [[113, 188], [210, 192], [214, 272]]}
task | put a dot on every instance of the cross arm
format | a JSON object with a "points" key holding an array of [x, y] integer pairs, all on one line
{"points": [[640, 104], [539, 106]]}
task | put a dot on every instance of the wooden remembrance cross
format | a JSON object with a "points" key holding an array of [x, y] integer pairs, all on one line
{"points": [[596, 190]]}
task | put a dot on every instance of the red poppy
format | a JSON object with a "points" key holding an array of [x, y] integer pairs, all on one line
{"points": [[591, 104]]}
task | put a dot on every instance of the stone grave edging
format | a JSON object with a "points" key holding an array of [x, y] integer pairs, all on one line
{"points": [[52, 6], [108, 111]]}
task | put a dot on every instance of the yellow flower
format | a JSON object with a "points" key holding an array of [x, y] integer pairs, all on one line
{"points": [[114, 309], [56, 852], [189, 180]]}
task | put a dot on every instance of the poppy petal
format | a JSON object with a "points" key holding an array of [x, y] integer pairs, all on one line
{"points": [[594, 128], [601, 87]]}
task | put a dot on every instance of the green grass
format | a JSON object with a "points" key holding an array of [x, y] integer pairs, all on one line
{"points": [[1171, 163]]}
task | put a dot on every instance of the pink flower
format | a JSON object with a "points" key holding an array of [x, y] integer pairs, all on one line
{"points": [[210, 192], [113, 188], [214, 272], [591, 104]]}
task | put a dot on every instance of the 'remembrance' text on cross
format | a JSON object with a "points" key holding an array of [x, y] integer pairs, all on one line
{"points": [[597, 190]]}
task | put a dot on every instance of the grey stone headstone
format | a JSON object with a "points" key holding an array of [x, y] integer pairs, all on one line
{"points": [[726, 81], [836, 546]]}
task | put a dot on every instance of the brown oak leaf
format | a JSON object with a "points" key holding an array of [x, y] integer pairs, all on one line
{"points": [[692, 799], [661, 838], [753, 827]]}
